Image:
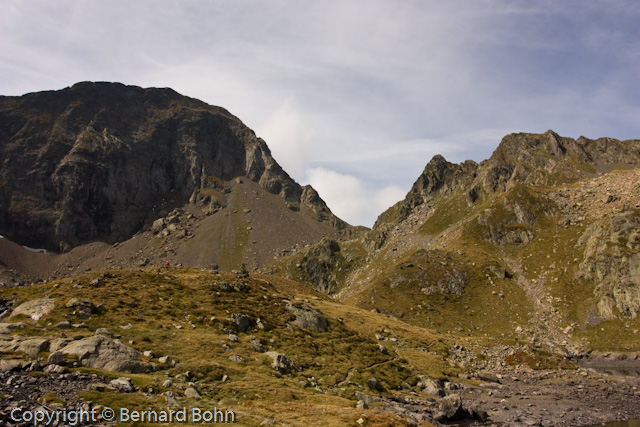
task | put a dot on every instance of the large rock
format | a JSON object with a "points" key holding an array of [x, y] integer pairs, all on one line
{"points": [[451, 409], [82, 308], [101, 352], [27, 345], [35, 309], [241, 321], [308, 318], [7, 328], [281, 362]]}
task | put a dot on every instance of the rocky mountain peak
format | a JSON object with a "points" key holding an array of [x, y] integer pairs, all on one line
{"points": [[521, 158], [100, 161]]}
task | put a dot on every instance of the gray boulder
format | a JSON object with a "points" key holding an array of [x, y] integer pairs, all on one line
{"points": [[257, 345], [450, 409], [82, 308], [7, 328], [27, 345], [280, 362], [101, 352], [242, 322], [123, 384], [308, 318], [192, 392], [35, 309], [55, 358]]}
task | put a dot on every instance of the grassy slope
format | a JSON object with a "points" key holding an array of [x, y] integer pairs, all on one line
{"points": [[341, 360]]}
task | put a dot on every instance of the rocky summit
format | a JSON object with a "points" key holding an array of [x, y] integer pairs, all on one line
{"points": [[155, 255]]}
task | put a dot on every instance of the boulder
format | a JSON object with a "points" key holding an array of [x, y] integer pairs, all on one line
{"points": [[429, 386], [236, 358], [281, 362], [308, 318], [192, 392], [35, 309], [242, 322], [55, 358], [257, 345], [82, 308], [450, 409], [166, 360], [366, 398], [27, 345], [7, 328], [101, 352], [123, 384], [13, 365]]}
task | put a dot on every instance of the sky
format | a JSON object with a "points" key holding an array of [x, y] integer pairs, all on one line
{"points": [[352, 96]]}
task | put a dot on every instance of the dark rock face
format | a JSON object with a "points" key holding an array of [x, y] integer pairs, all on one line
{"points": [[321, 263], [100, 160]]}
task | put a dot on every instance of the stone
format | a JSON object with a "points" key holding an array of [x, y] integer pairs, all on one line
{"points": [[35, 309], [102, 352], [65, 324], [54, 369], [237, 359], [366, 398], [157, 226], [149, 354], [170, 399], [241, 321], [429, 386], [55, 358], [281, 362], [7, 365], [123, 384], [257, 345], [192, 392], [450, 408], [167, 360], [308, 318], [82, 308], [32, 345]]}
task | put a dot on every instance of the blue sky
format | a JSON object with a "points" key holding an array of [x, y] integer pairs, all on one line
{"points": [[352, 96]]}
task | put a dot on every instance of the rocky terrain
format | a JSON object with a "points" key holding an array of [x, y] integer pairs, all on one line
{"points": [[505, 292], [100, 163]]}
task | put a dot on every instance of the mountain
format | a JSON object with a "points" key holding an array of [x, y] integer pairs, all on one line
{"points": [[103, 162], [503, 292], [543, 235]]}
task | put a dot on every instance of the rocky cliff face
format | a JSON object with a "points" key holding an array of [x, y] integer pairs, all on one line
{"points": [[100, 161]]}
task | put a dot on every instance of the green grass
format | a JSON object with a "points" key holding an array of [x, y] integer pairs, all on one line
{"points": [[448, 211]]}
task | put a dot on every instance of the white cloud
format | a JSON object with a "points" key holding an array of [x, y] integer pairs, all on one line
{"points": [[348, 198], [287, 135]]}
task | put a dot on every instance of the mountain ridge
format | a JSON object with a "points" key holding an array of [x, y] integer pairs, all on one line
{"points": [[95, 161]]}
